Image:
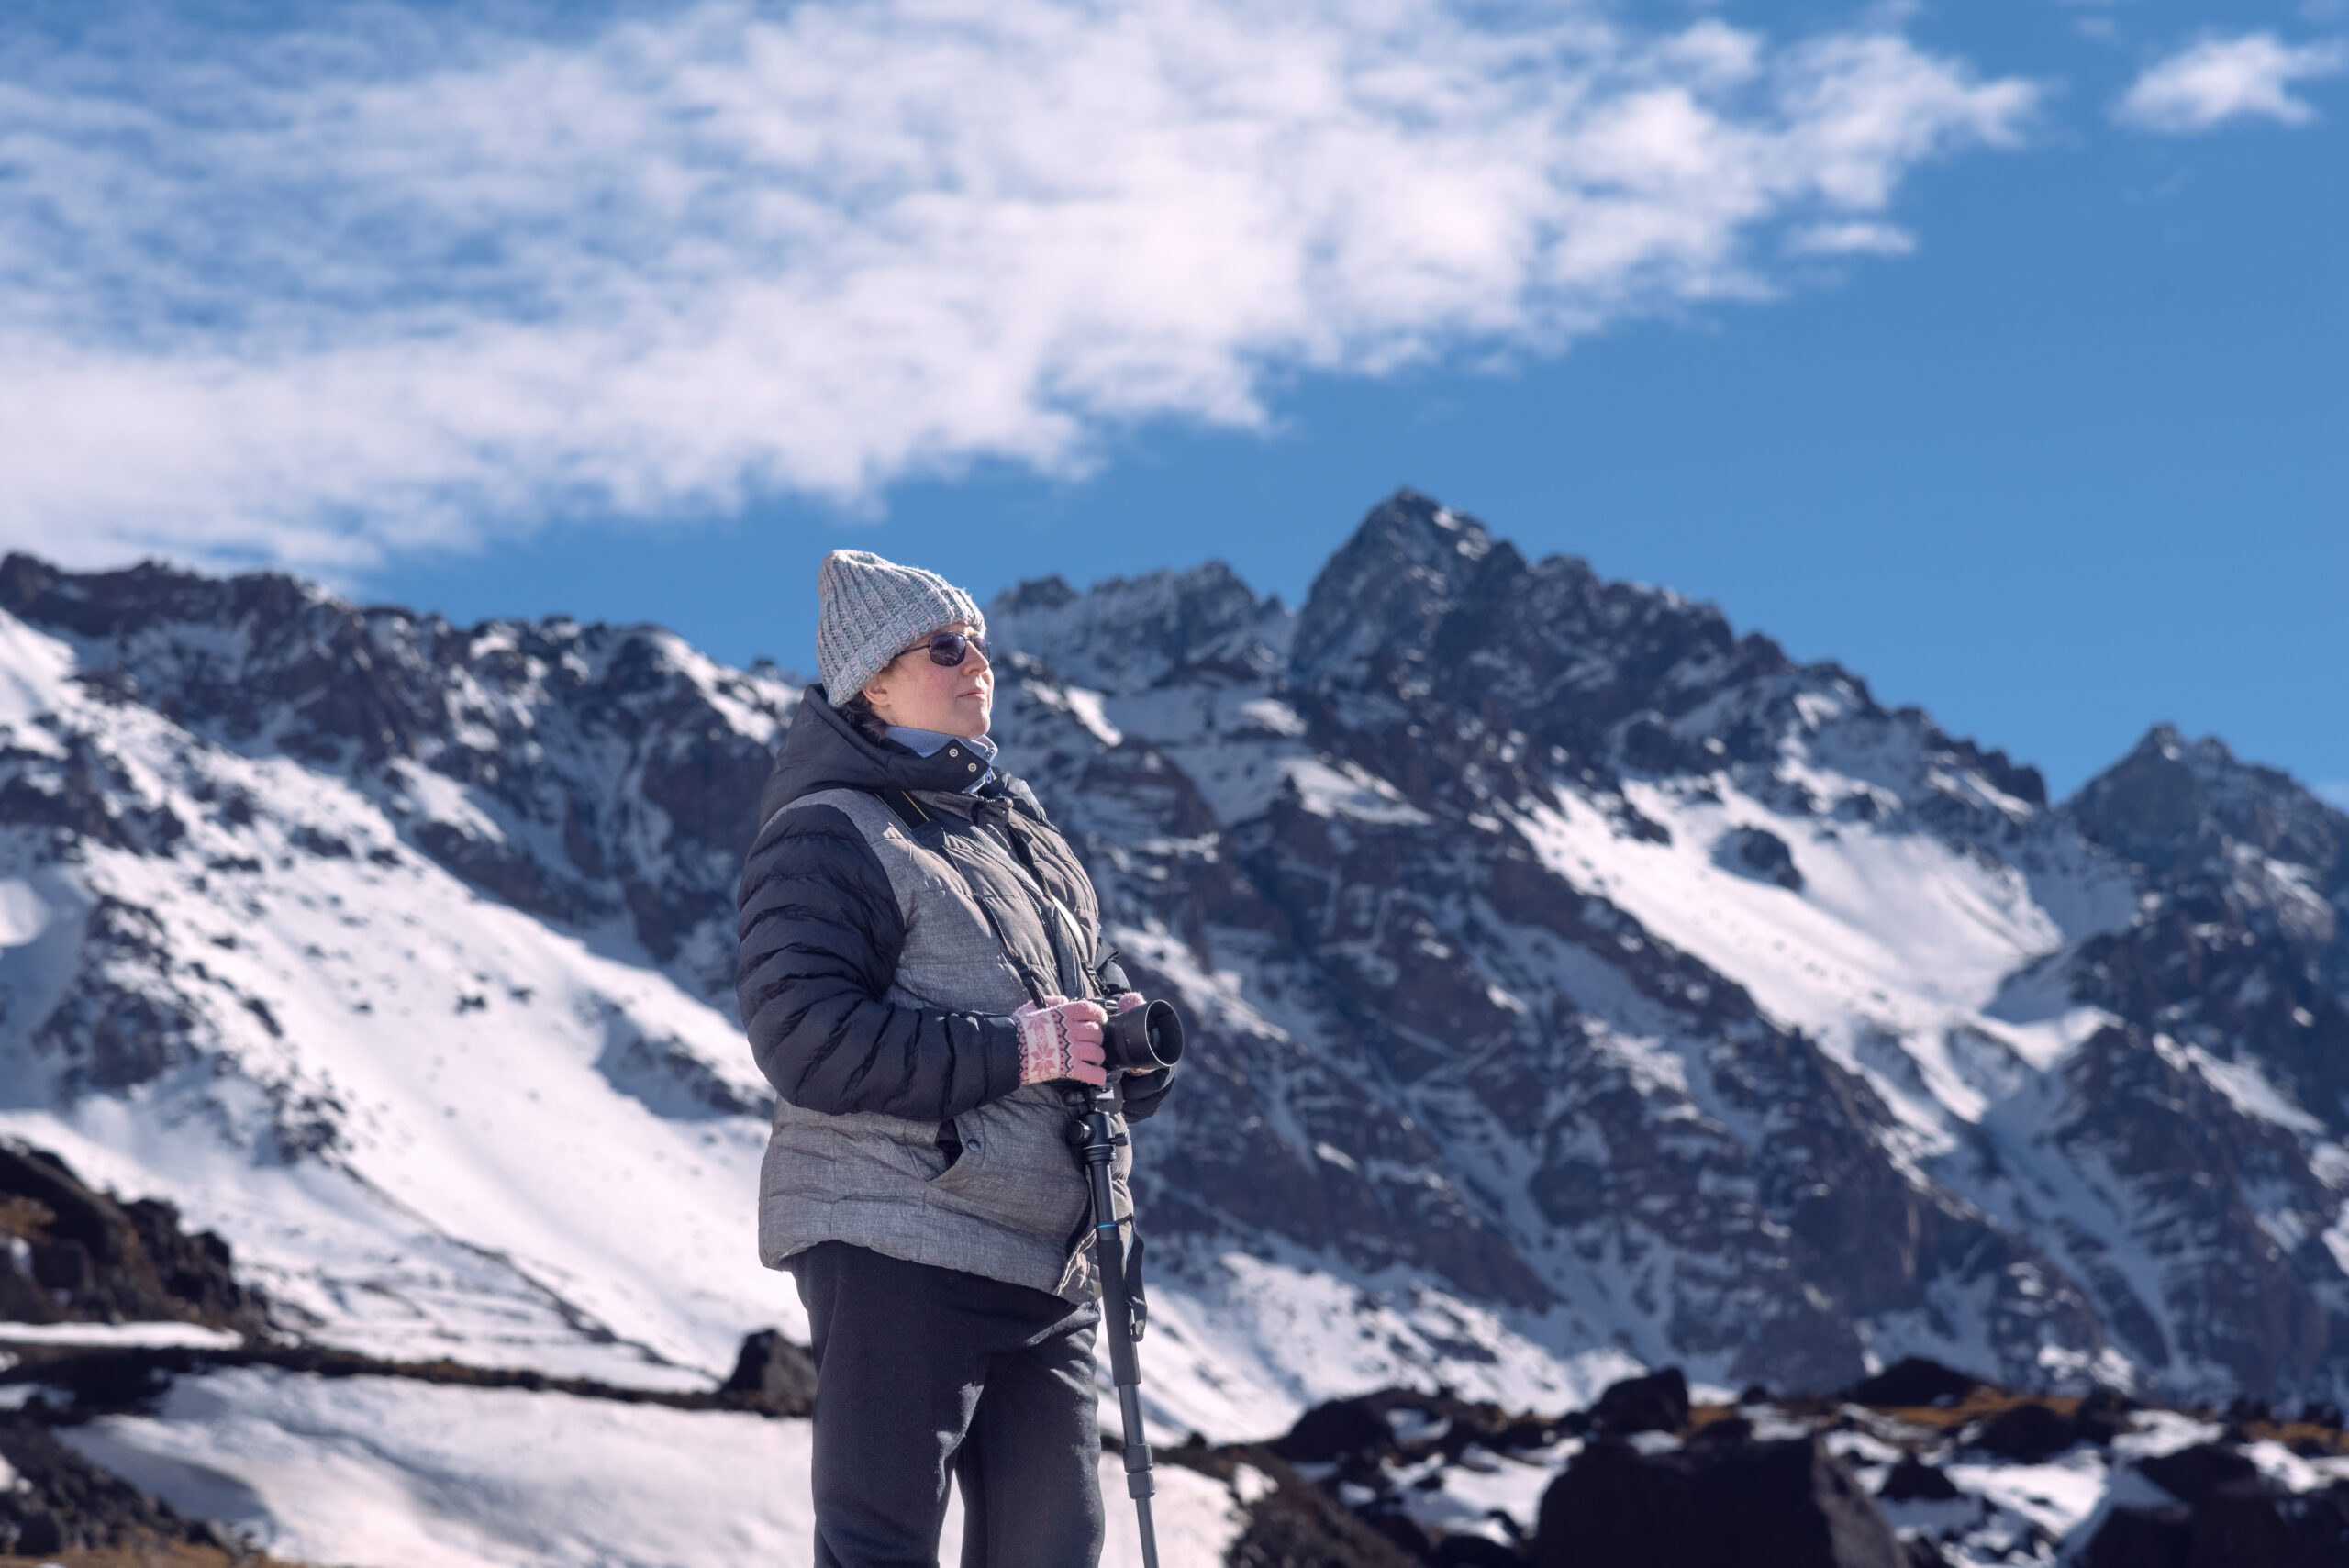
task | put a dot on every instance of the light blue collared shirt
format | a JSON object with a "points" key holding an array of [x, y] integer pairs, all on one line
{"points": [[927, 742]]}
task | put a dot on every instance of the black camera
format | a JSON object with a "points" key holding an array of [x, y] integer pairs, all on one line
{"points": [[1143, 1038]]}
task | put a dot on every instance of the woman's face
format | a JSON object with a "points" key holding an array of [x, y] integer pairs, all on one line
{"points": [[916, 690]]}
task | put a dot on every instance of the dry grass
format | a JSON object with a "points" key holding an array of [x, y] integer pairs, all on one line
{"points": [[1987, 1402], [2289, 1432], [1938, 1417], [1982, 1402], [21, 1216]]}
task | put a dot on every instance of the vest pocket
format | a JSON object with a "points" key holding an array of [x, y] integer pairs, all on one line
{"points": [[1016, 1167], [962, 1154]]}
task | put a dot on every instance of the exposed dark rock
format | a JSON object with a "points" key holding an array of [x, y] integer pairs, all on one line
{"points": [[2102, 1416], [1726, 1430], [2194, 1475], [114, 1028], [77, 1255], [1399, 1531], [1652, 745], [1912, 1381], [772, 1368], [506, 873], [1914, 1481], [2231, 1514], [2244, 1410], [67, 1504], [669, 1080], [314, 841], [1790, 1503], [1655, 1403], [2272, 1528], [2142, 1538], [2030, 1432], [1474, 1552], [1336, 1431], [86, 795], [1404, 1425], [1758, 852], [1297, 1525]]}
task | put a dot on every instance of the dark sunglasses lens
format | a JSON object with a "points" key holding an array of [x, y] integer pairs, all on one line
{"points": [[948, 647]]}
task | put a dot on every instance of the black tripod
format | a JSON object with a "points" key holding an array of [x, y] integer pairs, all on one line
{"points": [[1122, 1302]]}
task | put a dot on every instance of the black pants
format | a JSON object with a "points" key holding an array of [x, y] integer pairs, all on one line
{"points": [[919, 1367]]}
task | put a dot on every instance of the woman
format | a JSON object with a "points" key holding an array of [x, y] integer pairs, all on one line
{"points": [[920, 955]]}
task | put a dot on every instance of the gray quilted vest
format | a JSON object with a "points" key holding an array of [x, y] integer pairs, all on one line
{"points": [[1014, 1204]]}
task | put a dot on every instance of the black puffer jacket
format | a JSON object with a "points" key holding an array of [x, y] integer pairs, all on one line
{"points": [[883, 1069]]}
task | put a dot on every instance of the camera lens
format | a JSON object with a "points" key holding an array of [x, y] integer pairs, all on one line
{"points": [[1143, 1037]]}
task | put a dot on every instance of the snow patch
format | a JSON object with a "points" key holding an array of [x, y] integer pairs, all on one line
{"points": [[2248, 1090], [160, 1335], [1346, 790]]}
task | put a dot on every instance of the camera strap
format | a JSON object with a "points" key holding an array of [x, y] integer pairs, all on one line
{"points": [[1033, 886]]}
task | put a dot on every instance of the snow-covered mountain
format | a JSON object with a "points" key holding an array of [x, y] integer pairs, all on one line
{"points": [[1576, 986], [394, 954], [1685, 999]]}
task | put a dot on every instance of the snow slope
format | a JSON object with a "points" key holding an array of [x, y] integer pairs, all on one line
{"points": [[384, 1473]]}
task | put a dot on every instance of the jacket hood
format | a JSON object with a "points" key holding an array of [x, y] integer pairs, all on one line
{"points": [[824, 749]]}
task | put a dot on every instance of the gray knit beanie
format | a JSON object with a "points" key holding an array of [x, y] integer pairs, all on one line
{"points": [[869, 610]]}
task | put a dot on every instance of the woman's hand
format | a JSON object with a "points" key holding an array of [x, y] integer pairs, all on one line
{"points": [[1060, 1038]]}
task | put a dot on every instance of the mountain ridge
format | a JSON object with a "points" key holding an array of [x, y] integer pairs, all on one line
{"points": [[1504, 1083]]}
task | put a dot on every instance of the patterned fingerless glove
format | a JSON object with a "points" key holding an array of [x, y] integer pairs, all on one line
{"points": [[1060, 1039]]}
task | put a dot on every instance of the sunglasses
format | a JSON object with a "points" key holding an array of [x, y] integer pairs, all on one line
{"points": [[949, 648]]}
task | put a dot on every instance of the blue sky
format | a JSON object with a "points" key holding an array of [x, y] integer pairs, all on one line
{"points": [[1992, 350]]}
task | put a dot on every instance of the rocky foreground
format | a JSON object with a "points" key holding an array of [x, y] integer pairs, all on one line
{"points": [[82, 1268], [1920, 1465]]}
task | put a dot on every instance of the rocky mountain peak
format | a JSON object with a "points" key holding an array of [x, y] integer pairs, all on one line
{"points": [[153, 595], [1129, 633], [1034, 595], [2232, 845], [1386, 595], [2172, 804], [1423, 603]]}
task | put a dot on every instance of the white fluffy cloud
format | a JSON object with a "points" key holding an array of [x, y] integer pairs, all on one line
{"points": [[1853, 238], [323, 298], [2218, 80]]}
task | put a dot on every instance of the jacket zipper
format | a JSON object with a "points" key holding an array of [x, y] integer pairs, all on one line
{"points": [[1046, 906]]}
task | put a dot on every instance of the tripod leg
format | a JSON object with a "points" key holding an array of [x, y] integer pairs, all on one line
{"points": [[1140, 1483], [1117, 1313]]}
